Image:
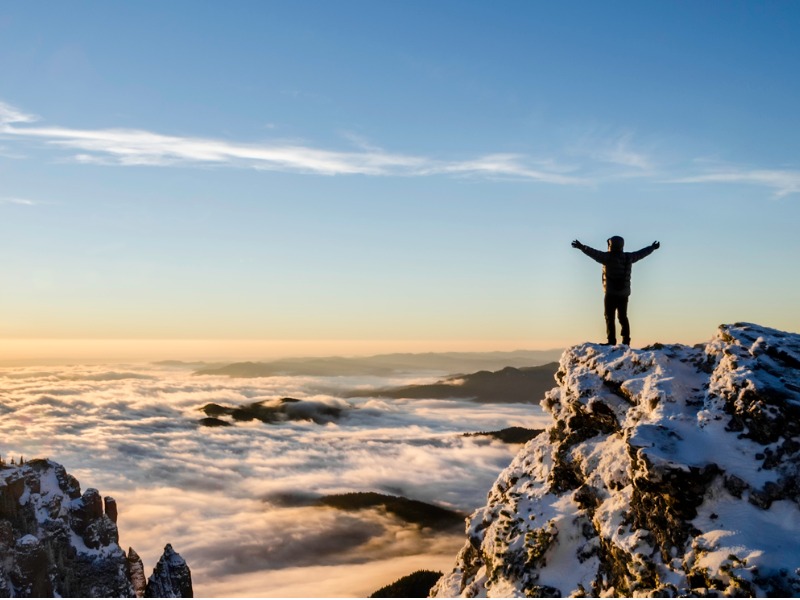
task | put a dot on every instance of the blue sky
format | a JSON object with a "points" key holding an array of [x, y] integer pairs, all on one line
{"points": [[396, 172]]}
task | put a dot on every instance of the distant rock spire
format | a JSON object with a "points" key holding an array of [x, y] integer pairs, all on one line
{"points": [[110, 507], [136, 572], [171, 578]]}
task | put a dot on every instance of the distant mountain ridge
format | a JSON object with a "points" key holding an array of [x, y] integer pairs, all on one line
{"points": [[670, 471], [416, 585], [385, 364], [280, 410], [508, 435], [410, 511], [508, 385]]}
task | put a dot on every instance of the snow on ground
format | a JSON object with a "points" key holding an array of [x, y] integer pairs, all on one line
{"points": [[670, 469]]}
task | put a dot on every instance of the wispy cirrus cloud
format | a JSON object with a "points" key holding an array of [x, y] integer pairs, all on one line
{"points": [[139, 147], [620, 151], [509, 165], [596, 156], [11, 114], [782, 181], [617, 150], [129, 147], [19, 201]]}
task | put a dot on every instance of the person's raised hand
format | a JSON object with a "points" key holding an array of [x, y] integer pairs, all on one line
{"points": [[656, 245], [577, 244]]}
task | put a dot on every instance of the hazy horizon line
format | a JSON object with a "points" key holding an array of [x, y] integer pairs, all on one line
{"points": [[32, 351]]}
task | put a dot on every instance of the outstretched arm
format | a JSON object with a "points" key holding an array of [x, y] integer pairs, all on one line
{"points": [[590, 252], [646, 251]]}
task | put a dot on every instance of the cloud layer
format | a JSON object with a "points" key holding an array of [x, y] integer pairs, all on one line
{"points": [[214, 493]]}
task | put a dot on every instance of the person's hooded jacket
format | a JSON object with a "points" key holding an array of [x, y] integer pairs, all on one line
{"points": [[616, 264]]}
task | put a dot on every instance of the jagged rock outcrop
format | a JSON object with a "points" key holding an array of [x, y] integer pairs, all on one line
{"points": [[55, 541], [136, 569], [668, 471], [171, 577]]}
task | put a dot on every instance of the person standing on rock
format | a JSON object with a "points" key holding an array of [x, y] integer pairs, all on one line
{"points": [[616, 282]]}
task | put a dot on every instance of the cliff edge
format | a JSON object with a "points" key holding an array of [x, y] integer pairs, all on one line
{"points": [[668, 471]]}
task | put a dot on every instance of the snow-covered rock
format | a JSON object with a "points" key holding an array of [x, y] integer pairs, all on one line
{"points": [[55, 541], [171, 578], [668, 471]]}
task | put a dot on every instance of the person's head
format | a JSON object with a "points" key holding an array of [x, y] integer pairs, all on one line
{"points": [[616, 244]]}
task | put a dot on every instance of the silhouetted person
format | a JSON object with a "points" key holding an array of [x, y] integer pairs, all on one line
{"points": [[616, 281]]}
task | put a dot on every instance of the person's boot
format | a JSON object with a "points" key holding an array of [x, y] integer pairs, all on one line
{"points": [[626, 341]]}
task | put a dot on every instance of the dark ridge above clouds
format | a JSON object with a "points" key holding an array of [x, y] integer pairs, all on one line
{"points": [[410, 511], [416, 585], [283, 409], [509, 385], [413, 512], [385, 364], [214, 422], [509, 435]]}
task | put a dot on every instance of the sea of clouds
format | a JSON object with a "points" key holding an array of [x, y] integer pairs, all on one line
{"points": [[235, 501]]}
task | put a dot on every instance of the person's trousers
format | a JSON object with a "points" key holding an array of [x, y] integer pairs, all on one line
{"points": [[617, 306]]}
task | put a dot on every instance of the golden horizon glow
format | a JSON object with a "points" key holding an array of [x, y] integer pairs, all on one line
{"points": [[31, 351]]}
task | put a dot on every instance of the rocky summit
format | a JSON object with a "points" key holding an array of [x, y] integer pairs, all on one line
{"points": [[57, 542], [668, 471]]}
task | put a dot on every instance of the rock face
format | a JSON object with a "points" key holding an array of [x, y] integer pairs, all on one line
{"points": [[55, 541], [668, 471], [171, 578]]}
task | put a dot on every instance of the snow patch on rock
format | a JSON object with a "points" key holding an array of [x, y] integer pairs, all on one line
{"points": [[57, 542], [670, 470]]}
